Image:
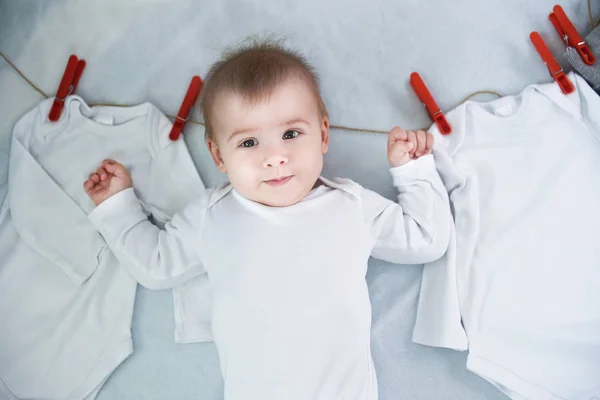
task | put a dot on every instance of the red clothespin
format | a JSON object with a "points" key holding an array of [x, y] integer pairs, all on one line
{"points": [[67, 86], [569, 34], [435, 113], [555, 69], [186, 107]]}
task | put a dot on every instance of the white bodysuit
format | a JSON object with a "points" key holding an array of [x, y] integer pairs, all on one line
{"points": [[65, 302], [522, 270], [291, 315]]}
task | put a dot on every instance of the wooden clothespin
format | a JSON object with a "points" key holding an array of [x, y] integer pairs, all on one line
{"points": [[186, 107], [569, 34], [434, 111], [67, 86], [553, 66]]}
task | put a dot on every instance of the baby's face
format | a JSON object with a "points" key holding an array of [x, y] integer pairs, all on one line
{"points": [[272, 151]]}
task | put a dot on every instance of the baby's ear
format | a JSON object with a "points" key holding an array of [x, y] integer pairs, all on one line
{"points": [[325, 135], [216, 155]]}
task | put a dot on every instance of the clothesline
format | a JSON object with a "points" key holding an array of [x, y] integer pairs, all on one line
{"points": [[340, 127]]}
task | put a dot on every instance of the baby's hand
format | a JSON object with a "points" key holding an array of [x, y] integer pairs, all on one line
{"points": [[109, 179], [404, 146]]}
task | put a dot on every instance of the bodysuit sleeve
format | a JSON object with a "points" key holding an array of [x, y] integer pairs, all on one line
{"points": [[415, 229], [157, 258]]}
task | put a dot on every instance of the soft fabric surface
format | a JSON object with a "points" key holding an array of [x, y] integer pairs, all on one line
{"points": [[364, 51]]}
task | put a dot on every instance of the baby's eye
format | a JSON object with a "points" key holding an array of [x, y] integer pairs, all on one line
{"points": [[249, 143], [290, 134]]}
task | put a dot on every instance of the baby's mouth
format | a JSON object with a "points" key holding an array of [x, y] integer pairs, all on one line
{"points": [[279, 181]]}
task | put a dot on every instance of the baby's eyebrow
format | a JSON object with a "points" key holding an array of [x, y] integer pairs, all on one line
{"points": [[241, 132], [295, 121]]}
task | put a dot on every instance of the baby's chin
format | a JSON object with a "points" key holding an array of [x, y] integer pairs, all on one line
{"points": [[282, 194]]}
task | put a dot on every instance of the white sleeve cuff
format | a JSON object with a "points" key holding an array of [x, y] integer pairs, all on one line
{"points": [[423, 168], [118, 211]]}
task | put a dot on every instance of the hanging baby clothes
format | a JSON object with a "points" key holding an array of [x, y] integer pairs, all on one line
{"points": [[65, 302], [520, 284]]}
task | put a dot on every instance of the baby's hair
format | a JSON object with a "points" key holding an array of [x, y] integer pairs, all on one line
{"points": [[254, 71]]}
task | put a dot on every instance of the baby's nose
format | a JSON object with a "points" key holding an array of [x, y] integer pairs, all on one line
{"points": [[275, 161]]}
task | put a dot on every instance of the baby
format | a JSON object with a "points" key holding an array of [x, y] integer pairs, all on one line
{"points": [[285, 249]]}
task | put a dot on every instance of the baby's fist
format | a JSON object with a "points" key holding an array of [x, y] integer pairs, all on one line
{"points": [[109, 179], [404, 146]]}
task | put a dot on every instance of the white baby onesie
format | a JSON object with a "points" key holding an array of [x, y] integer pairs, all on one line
{"points": [[65, 302], [522, 270], [291, 312]]}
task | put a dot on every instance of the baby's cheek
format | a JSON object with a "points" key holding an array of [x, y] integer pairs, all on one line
{"points": [[314, 162], [243, 168]]}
